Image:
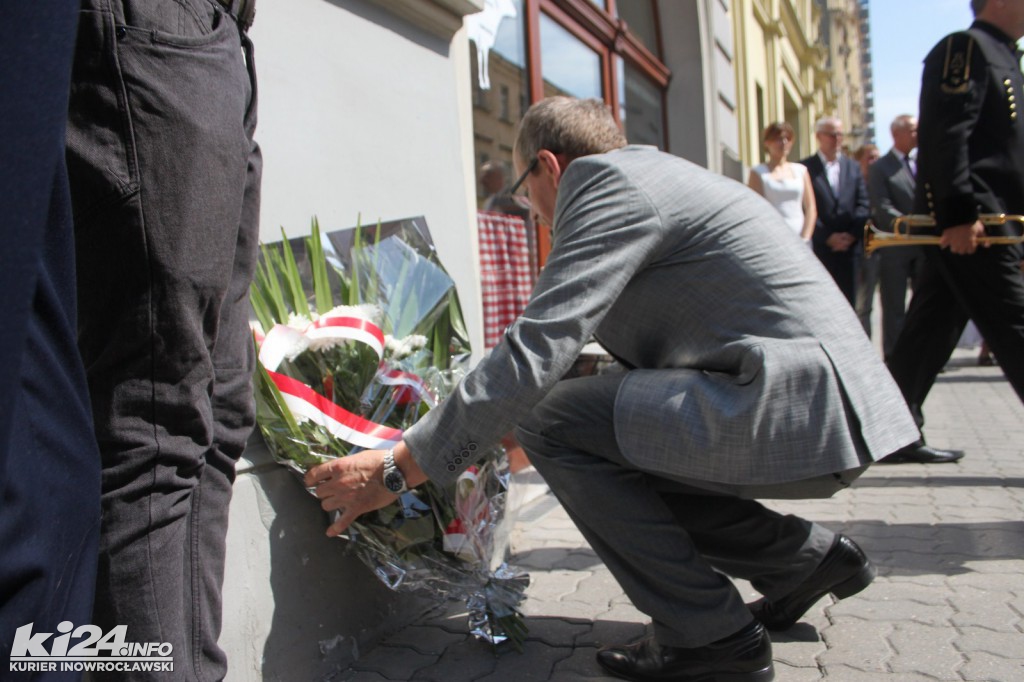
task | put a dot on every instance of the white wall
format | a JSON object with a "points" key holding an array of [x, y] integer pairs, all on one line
{"points": [[361, 112]]}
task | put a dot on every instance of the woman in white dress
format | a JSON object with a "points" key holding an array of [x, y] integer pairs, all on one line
{"points": [[786, 185]]}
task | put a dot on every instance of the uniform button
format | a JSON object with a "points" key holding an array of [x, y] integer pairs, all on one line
{"points": [[1006, 81], [121, 32], [1013, 115]]}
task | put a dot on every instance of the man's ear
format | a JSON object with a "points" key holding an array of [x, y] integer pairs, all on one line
{"points": [[551, 164]]}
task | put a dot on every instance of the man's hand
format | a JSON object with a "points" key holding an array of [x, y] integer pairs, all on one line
{"points": [[962, 239], [840, 241], [353, 484]]}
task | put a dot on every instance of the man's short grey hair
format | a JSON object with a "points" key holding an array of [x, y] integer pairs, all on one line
{"points": [[825, 121], [565, 125], [901, 122], [977, 6]]}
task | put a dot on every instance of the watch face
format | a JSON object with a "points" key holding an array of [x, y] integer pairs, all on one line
{"points": [[394, 482]]}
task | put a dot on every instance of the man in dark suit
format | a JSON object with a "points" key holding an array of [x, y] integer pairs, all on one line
{"points": [[843, 207], [971, 162], [891, 189]]}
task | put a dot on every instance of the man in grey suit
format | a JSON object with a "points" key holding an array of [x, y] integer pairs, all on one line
{"points": [[843, 207], [742, 380], [891, 189]]}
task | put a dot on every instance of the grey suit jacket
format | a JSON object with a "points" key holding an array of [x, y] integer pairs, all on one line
{"points": [[891, 188], [750, 368]]}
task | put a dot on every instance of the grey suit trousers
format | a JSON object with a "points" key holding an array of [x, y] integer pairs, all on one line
{"points": [[667, 542]]}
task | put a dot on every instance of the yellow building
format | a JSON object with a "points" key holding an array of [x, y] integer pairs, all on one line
{"points": [[799, 60], [847, 69], [779, 71]]}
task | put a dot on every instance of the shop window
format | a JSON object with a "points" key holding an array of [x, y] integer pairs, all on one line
{"points": [[641, 19], [524, 50], [640, 107], [568, 65]]}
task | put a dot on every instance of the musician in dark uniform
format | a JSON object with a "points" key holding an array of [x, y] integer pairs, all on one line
{"points": [[970, 162]]}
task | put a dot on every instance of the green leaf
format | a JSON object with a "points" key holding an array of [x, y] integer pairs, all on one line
{"points": [[270, 286], [290, 271], [354, 297], [261, 308], [321, 285]]}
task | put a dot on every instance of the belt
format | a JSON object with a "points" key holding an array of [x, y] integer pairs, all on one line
{"points": [[242, 10]]}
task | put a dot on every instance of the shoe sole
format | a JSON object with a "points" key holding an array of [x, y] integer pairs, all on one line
{"points": [[763, 675], [851, 586]]}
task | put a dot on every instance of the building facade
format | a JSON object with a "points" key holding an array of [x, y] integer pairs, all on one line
{"points": [[848, 68]]}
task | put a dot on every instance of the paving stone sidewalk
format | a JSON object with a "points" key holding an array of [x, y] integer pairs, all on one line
{"points": [[948, 603]]}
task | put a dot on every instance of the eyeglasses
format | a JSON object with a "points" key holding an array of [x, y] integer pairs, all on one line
{"points": [[522, 178], [834, 136]]}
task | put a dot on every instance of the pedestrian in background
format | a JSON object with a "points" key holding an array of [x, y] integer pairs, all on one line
{"points": [[867, 264], [970, 162], [891, 184], [165, 188], [842, 200], [786, 186]]}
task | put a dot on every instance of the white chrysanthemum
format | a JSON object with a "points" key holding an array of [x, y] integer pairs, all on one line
{"points": [[300, 322], [399, 349], [364, 311]]}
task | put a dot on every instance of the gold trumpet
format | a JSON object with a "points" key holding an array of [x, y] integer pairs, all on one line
{"points": [[875, 238]]}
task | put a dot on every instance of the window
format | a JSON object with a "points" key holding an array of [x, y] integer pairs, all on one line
{"points": [[525, 50], [569, 66]]}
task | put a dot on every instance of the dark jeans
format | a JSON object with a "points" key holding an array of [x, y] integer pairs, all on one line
{"points": [[165, 184], [49, 467], [665, 541]]}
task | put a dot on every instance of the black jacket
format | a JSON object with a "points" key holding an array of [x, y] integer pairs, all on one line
{"points": [[971, 128]]}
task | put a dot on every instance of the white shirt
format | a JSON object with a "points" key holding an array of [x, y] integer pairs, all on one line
{"points": [[832, 171]]}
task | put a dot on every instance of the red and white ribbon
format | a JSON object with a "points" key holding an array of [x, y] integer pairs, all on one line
{"points": [[284, 341], [414, 387], [351, 428]]}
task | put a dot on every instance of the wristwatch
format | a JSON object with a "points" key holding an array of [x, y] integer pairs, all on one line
{"points": [[394, 481]]}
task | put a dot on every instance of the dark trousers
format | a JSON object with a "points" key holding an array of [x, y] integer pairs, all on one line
{"points": [[840, 264], [898, 267], [868, 269], [664, 541], [986, 287], [49, 467], [165, 185]]}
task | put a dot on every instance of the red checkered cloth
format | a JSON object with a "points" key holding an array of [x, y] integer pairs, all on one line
{"points": [[506, 276]]}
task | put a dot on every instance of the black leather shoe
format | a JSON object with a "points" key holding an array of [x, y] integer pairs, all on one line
{"points": [[922, 454], [745, 656], [844, 572]]}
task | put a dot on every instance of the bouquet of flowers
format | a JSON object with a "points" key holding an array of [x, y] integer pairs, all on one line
{"points": [[359, 335]]}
